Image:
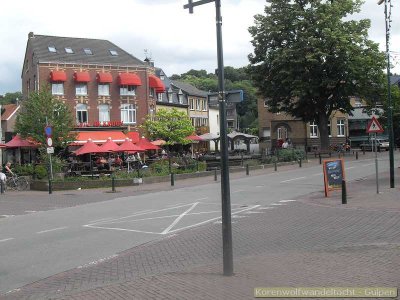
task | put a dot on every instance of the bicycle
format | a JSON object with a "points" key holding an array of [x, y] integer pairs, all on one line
{"points": [[17, 183]]}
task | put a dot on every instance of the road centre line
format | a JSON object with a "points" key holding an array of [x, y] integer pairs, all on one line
{"points": [[283, 201], [5, 240], [166, 230], [49, 230], [298, 178]]}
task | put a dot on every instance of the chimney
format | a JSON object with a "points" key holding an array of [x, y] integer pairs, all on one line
{"points": [[31, 35]]}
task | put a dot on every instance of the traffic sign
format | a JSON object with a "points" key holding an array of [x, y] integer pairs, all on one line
{"points": [[49, 142], [50, 150], [233, 96], [374, 126], [48, 130]]}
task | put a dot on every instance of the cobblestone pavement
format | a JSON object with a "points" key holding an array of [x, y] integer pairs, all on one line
{"points": [[310, 242]]}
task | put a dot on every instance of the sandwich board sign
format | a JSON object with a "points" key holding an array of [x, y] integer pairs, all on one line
{"points": [[333, 174], [374, 126]]}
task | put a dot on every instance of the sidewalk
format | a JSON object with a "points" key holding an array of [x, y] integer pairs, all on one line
{"points": [[315, 241]]}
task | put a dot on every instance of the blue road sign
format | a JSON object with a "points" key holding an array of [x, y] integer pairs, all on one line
{"points": [[48, 130]]}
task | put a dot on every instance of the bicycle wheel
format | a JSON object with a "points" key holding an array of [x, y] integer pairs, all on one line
{"points": [[22, 184], [11, 184]]}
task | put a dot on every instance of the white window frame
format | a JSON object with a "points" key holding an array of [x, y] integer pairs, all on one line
{"points": [[198, 104], [82, 115], [81, 89], [340, 124], [103, 89], [88, 51], [52, 49], [180, 99], [191, 103], [170, 95], [69, 50], [128, 113], [313, 130], [159, 96], [57, 88], [104, 113], [205, 108], [127, 90], [329, 128]]}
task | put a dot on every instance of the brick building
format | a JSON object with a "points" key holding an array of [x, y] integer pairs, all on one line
{"points": [[105, 87]]}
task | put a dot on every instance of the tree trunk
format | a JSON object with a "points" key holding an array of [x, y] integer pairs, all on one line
{"points": [[323, 131]]}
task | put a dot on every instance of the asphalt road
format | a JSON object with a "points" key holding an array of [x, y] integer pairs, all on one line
{"points": [[45, 243]]}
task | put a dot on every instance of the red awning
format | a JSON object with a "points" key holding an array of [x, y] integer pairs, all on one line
{"points": [[89, 147], [98, 137], [104, 78], [128, 146], [18, 142], [129, 79], [58, 76], [156, 83], [81, 77], [134, 136], [145, 144]]}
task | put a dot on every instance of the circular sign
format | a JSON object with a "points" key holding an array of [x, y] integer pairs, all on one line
{"points": [[49, 142], [48, 130]]}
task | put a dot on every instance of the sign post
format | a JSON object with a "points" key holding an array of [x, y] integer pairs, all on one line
{"points": [[48, 130], [374, 127]]}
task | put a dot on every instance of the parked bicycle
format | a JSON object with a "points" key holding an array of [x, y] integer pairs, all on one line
{"points": [[17, 183]]}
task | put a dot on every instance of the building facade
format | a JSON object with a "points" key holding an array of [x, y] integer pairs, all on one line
{"points": [[103, 85]]}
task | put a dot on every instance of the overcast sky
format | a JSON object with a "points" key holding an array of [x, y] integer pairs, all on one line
{"points": [[177, 40]]}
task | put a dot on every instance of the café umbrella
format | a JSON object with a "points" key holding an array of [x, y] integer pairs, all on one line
{"points": [[129, 147], [89, 148], [194, 139]]}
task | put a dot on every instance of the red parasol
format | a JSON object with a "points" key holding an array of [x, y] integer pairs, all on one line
{"points": [[109, 146], [89, 147], [194, 138], [158, 142], [146, 145], [18, 142], [128, 146]]}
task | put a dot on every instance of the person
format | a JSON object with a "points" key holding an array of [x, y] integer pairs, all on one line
{"points": [[6, 171], [285, 144]]}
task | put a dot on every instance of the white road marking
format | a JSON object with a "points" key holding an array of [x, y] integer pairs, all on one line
{"points": [[7, 216], [238, 191], [317, 174], [265, 208], [367, 165], [277, 204], [120, 229], [166, 230], [293, 179], [103, 219], [5, 240], [93, 263], [349, 168], [30, 211], [254, 212], [49, 230], [259, 186], [283, 201]]}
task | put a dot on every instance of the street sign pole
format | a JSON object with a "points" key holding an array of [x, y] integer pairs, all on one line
{"points": [[376, 164], [225, 187], [48, 130]]}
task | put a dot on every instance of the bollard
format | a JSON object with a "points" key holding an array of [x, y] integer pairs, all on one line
{"points": [[215, 174], [113, 183], [172, 179], [197, 166], [363, 151], [300, 162], [2, 186], [241, 162], [320, 159], [275, 165], [356, 155], [247, 169], [50, 186], [344, 193]]}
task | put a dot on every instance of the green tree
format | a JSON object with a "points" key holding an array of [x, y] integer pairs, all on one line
{"points": [[170, 125], [41, 109], [383, 119], [9, 98], [309, 58]]}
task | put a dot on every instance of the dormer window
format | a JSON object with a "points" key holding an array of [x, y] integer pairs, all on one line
{"points": [[113, 52], [88, 51], [69, 50], [52, 49]]}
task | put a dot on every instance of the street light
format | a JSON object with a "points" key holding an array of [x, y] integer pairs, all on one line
{"points": [[389, 96], [225, 188]]}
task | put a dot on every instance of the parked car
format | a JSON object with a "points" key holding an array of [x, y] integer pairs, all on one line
{"points": [[382, 144]]}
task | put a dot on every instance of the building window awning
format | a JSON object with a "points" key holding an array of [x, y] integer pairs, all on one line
{"points": [[104, 78], [81, 77], [156, 83], [58, 76], [129, 79], [98, 137]]}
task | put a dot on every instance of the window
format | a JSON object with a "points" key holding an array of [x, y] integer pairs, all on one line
{"points": [[127, 90], [57, 88], [88, 51], [52, 49], [329, 129], [81, 89], [69, 50], [159, 96], [152, 92], [265, 103], [104, 89], [128, 113], [113, 52], [104, 113], [180, 98], [170, 95], [204, 105], [313, 130], [151, 113], [191, 103], [230, 124], [340, 127], [197, 104], [81, 113]]}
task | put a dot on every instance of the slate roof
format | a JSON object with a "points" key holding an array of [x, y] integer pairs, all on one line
{"points": [[189, 89], [100, 49], [395, 79]]}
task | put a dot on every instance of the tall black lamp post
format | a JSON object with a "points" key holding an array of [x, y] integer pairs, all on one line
{"points": [[225, 188], [389, 95]]}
